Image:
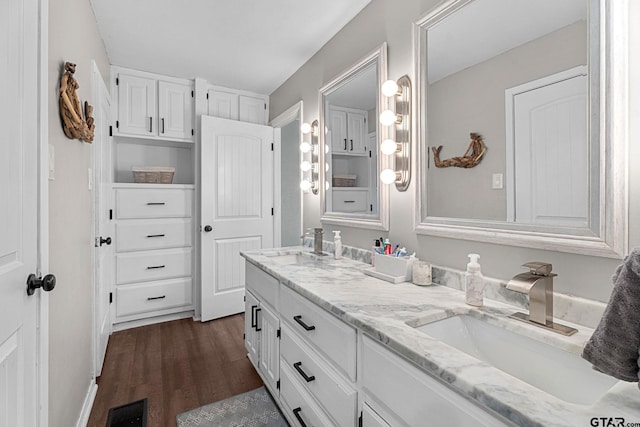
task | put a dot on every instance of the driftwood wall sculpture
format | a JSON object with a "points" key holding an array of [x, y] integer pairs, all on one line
{"points": [[471, 157], [75, 124]]}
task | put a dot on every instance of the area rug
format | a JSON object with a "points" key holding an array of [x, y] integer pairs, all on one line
{"points": [[251, 409]]}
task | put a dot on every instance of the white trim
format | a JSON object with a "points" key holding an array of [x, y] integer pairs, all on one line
{"points": [[290, 115], [153, 320], [608, 68], [42, 323], [89, 398]]}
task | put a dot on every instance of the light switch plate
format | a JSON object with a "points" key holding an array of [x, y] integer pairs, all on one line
{"points": [[497, 181]]}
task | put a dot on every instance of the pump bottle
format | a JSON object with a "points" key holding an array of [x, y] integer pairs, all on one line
{"points": [[337, 245], [474, 282]]}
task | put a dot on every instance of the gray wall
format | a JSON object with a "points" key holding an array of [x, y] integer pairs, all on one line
{"points": [[473, 100], [73, 36], [382, 21], [290, 184]]}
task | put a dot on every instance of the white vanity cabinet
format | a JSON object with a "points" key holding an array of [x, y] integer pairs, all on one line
{"points": [[351, 199], [262, 325], [398, 393], [153, 241], [348, 130], [237, 105], [153, 106]]}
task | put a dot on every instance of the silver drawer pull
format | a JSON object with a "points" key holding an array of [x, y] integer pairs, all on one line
{"points": [[155, 235], [153, 298], [349, 201], [153, 267], [156, 203]]}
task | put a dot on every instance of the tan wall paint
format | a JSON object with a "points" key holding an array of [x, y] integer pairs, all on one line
{"points": [[382, 20], [73, 36]]}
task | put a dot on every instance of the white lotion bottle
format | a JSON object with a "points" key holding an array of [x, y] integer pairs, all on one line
{"points": [[474, 282], [337, 245]]}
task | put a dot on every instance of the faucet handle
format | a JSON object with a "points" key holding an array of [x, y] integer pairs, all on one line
{"points": [[539, 268]]}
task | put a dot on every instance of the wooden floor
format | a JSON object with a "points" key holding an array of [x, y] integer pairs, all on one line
{"points": [[178, 366]]}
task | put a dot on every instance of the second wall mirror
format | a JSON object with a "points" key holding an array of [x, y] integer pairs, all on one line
{"points": [[350, 104]]}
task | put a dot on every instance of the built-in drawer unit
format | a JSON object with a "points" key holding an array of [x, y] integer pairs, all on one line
{"points": [[153, 203], [153, 296], [336, 396], [152, 265], [350, 200], [134, 235], [331, 337], [298, 405], [262, 284]]}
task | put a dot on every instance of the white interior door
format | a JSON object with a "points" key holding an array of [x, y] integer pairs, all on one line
{"points": [[551, 154], [236, 208], [103, 259], [19, 193]]}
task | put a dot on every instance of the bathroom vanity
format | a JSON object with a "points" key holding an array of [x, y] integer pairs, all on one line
{"points": [[337, 347]]}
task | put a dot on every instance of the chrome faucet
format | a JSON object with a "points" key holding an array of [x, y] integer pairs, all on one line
{"points": [[538, 284], [317, 240]]}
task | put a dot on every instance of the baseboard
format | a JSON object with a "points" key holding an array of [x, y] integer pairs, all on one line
{"points": [[83, 420], [151, 320]]}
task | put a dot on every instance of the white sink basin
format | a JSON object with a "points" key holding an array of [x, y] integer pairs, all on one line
{"points": [[562, 374]]}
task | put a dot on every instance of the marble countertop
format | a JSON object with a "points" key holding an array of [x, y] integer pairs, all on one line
{"points": [[390, 312]]}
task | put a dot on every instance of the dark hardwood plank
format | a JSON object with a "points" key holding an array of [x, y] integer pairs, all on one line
{"points": [[177, 366]]}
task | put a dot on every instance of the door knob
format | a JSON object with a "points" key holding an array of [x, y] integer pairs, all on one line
{"points": [[47, 283], [103, 241], [208, 228]]}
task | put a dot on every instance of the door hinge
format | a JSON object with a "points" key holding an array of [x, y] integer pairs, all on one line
{"points": [[244, 337], [118, 124], [110, 130], [192, 94], [271, 211], [110, 214], [279, 333], [360, 420], [244, 298], [265, 106], [192, 132], [117, 81], [369, 153], [278, 384], [110, 297], [370, 208], [207, 95], [272, 146]]}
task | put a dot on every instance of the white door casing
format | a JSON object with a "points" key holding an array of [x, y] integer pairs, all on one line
{"points": [[104, 256], [237, 203], [22, 118]]}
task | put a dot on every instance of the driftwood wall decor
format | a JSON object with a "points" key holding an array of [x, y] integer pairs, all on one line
{"points": [[75, 124], [471, 157]]}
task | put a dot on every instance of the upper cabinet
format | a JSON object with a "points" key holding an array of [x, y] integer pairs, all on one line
{"points": [[348, 130], [237, 105], [153, 106]]}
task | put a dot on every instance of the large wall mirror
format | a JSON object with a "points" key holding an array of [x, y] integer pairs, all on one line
{"points": [[537, 79], [350, 166]]}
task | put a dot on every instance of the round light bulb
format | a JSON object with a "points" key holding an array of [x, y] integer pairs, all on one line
{"points": [[305, 147], [326, 148], [305, 185], [388, 176], [388, 147], [387, 118], [305, 166], [326, 166], [305, 128], [389, 88], [326, 185]]}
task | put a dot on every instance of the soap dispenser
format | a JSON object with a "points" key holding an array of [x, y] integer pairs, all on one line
{"points": [[337, 245], [474, 282]]}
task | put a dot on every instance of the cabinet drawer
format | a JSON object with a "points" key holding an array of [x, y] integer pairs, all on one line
{"points": [[152, 265], [399, 390], [262, 284], [298, 404], [153, 203], [350, 201], [135, 235], [333, 393], [143, 298], [333, 338]]}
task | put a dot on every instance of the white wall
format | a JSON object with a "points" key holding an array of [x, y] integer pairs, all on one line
{"points": [[73, 36], [391, 22]]}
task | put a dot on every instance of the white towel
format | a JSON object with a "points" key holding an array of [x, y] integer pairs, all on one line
{"points": [[614, 347]]}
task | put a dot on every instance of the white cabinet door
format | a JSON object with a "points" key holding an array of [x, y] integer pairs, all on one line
{"points": [[338, 128], [251, 335], [356, 133], [269, 324], [222, 104], [252, 110], [175, 110], [136, 105]]}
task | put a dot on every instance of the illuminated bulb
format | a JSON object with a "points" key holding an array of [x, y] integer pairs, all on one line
{"points": [[305, 166], [326, 185], [305, 185], [387, 118], [326, 148], [388, 147], [389, 88], [388, 176], [305, 147], [305, 128], [326, 167]]}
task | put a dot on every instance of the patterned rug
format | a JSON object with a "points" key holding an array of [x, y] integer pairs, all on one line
{"points": [[251, 409]]}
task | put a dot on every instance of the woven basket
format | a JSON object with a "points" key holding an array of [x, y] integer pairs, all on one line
{"points": [[344, 180], [153, 174]]}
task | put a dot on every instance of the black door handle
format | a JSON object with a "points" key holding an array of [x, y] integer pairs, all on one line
{"points": [[351, 144], [304, 375], [304, 325], [257, 311], [47, 283], [345, 144], [103, 240], [208, 228], [254, 324]]}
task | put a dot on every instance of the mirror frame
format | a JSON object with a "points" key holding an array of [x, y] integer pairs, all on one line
{"points": [[608, 59], [375, 222]]}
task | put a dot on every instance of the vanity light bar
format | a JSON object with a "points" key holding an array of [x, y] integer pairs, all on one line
{"points": [[400, 119], [312, 166]]}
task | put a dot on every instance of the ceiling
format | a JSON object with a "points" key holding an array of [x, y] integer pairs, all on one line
{"points": [[241, 44]]}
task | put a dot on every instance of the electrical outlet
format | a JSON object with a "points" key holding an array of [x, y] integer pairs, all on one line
{"points": [[497, 181]]}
